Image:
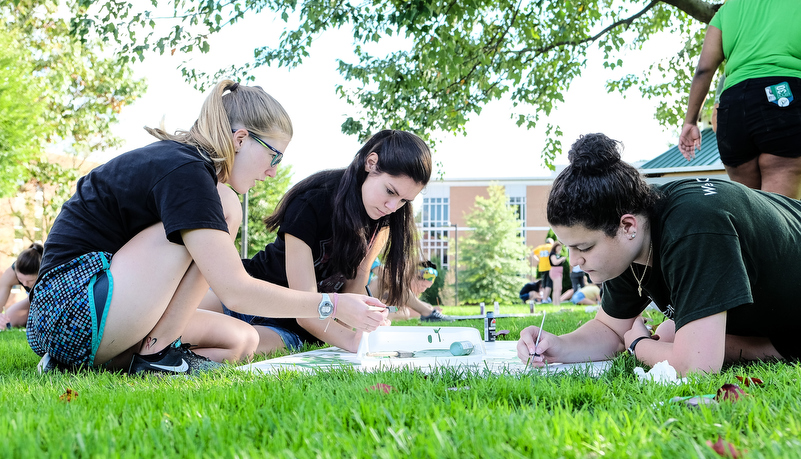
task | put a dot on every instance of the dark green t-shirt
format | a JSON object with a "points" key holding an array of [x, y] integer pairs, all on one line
{"points": [[719, 246]]}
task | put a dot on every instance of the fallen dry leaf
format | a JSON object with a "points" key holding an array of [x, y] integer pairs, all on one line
{"points": [[68, 396], [724, 448], [731, 392], [748, 381]]}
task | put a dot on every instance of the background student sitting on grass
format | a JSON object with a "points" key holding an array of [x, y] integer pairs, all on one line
{"points": [[414, 306], [22, 272]]}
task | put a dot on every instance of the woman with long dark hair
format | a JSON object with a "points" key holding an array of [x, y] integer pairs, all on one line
{"points": [[331, 226]]}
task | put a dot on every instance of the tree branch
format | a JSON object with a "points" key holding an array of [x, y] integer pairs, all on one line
{"points": [[698, 9], [626, 21]]}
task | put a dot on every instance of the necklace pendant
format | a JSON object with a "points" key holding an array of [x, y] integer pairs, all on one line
{"points": [[639, 290]]}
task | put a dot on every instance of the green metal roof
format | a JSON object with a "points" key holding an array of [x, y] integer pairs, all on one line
{"points": [[707, 156]]}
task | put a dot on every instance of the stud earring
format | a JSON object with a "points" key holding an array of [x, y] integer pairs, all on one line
{"points": [[633, 235]]}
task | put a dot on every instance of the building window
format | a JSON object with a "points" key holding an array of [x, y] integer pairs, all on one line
{"points": [[518, 205], [435, 225]]}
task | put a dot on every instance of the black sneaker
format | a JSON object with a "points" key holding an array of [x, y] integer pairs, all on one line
{"points": [[175, 359], [436, 316]]}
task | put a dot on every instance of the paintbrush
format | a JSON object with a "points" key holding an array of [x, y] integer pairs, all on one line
{"points": [[399, 354], [537, 343]]}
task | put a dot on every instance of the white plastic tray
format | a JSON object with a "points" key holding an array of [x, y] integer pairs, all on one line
{"points": [[414, 339]]}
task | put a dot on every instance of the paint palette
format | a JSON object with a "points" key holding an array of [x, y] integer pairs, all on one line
{"points": [[419, 347]]}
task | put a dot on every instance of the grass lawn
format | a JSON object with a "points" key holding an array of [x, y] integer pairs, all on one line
{"points": [[445, 414]]}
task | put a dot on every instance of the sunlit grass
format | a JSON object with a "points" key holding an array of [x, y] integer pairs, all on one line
{"points": [[448, 413]]}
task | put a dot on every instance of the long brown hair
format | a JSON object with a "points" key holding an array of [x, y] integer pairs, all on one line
{"points": [[399, 153]]}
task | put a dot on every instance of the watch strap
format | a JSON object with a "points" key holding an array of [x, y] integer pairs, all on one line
{"points": [[634, 344]]}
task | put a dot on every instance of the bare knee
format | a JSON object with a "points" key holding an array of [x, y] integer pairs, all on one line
{"points": [[748, 348], [781, 175], [666, 331], [749, 174], [247, 344]]}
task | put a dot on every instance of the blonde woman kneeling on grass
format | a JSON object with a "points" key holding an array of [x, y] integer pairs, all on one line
{"points": [[135, 249]]}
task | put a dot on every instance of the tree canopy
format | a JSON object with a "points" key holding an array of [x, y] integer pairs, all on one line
{"points": [[56, 92], [83, 85], [20, 112], [454, 57]]}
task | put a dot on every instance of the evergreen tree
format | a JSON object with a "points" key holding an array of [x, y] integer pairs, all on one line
{"points": [[493, 256]]}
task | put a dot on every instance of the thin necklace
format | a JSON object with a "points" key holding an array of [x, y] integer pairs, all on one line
{"points": [[631, 266]]}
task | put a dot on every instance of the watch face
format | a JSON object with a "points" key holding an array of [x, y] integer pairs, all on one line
{"points": [[326, 308]]}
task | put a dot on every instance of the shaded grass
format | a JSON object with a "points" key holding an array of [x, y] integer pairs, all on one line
{"points": [[448, 413]]}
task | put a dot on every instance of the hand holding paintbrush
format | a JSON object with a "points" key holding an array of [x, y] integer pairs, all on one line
{"points": [[537, 342]]}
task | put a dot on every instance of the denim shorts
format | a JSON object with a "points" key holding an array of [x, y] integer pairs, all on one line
{"points": [[69, 305], [291, 340], [578, 296], [749, 124]]}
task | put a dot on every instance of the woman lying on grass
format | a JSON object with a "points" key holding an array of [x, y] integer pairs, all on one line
{"points": [[716, 257], [135, 249], [331, 226]]}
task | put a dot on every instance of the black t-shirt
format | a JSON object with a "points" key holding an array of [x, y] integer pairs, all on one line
{"points": [[719, 246], [309, 217], [166, 181]]}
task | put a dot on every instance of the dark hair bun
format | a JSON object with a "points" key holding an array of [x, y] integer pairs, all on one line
{"points": [[38, 247], [594, 153]]}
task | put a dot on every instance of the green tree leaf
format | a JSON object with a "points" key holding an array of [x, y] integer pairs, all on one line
{"points": [[455, 57]]}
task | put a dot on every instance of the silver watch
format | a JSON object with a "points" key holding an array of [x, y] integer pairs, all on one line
{"points": [[326, 307]]}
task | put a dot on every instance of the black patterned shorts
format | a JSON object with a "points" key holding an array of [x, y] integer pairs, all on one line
{"points": [[68, 309]]}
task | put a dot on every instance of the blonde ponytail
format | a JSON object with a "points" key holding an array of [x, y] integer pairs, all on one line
{"points": [[231, 104]]}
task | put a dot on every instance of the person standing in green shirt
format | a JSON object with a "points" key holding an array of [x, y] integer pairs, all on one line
{"points": [[759, 116]]}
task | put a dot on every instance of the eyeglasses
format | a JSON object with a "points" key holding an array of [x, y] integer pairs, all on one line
{"points": [[277, 157]]}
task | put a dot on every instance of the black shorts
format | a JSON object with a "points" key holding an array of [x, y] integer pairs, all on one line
{"points": [[749, 124], [787, 345], [547, 282]]}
